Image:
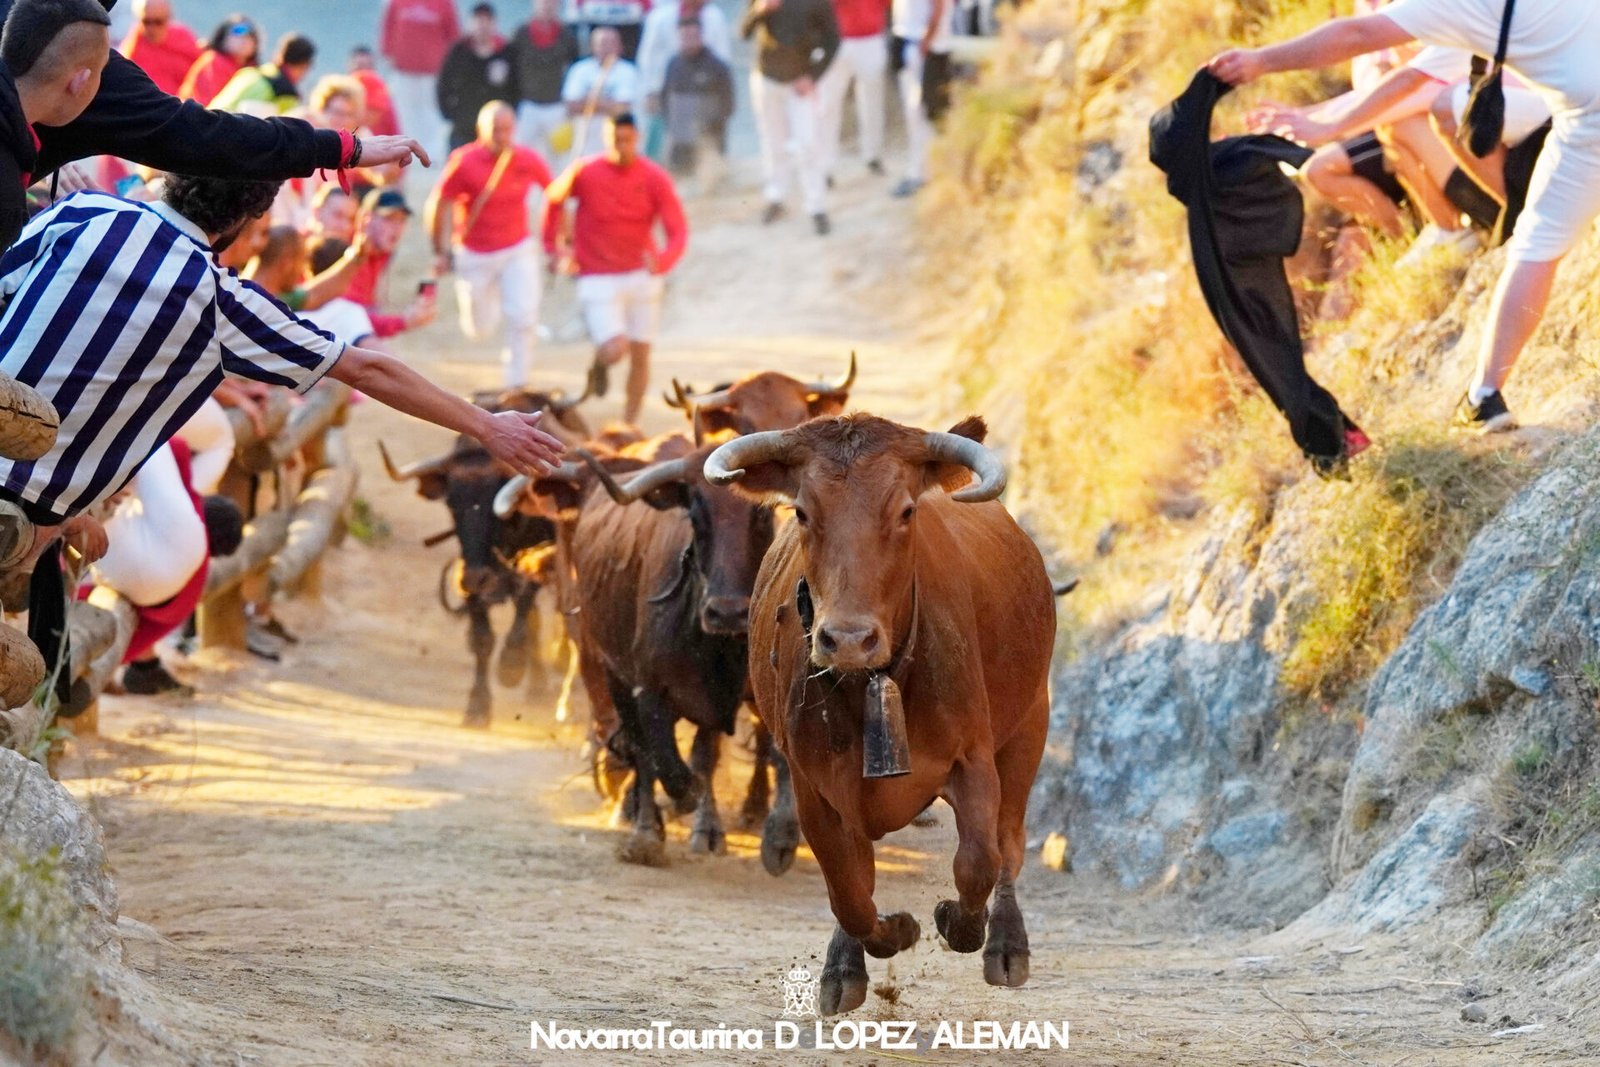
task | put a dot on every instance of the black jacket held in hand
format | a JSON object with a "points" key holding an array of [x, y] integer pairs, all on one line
{"points": [[18, 160], [1245, 218], [797, 39]]}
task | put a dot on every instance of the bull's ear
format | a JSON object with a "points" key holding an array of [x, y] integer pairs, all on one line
{"points": [[829, 403], [431, 485], [552, 498], [715, 422], [767, 483], [953, 476]]}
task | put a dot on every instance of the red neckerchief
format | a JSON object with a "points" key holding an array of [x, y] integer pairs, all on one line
{"points": [[543, 34], [38, 146]]}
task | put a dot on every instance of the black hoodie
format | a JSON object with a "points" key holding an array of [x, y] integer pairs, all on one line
{"points": [[19, 159]]}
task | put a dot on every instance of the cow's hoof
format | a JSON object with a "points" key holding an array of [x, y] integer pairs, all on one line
{"points": [[780, 840], [643, 849], [687, 801], [708, 842], [844, 977], [1005, 969], [895, 934], [478, 705], [963, 933], [511, 667]]}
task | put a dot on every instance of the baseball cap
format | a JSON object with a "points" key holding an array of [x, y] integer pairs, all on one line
{"points": [[385, 199]]}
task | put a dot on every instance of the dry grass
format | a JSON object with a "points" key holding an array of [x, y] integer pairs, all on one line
{"points": [[43, 983]]}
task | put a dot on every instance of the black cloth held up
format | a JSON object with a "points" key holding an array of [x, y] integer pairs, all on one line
{"points": [[1245, 219]]}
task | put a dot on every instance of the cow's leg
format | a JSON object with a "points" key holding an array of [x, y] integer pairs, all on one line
{"points": [[512, 665], [1005, 954], [645, 845], [614, 755], [757, 798], [660, 749], [846, 859], [707, 835], [974, 791], [569, 680], [480, 641], [780, 837]]}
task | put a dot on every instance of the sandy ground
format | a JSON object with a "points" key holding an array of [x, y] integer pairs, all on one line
{"points": [[343, 875]]}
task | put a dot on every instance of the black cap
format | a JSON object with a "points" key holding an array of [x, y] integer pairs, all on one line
{"points": [[385, 198]]}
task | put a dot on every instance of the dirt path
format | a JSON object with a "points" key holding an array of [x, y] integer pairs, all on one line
{"points": [[345, 876]]}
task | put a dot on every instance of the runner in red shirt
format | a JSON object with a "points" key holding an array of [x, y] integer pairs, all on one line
{"points": [[478, 218], [416, 34], [611, 247], [862, 61], [163, 47]]}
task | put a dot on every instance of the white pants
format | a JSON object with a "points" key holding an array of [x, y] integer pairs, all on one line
{"points": [[502, 288], [209, 435], [787, 123], [621, 305], [535, 125], [1526, 111], [416, 103], [919, 131], [157, 539], [864, 61]]}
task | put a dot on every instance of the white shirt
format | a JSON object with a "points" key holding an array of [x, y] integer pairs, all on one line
{"points": [[660, 41], [621, 85], [1554, 44], [1448, 65], [909, 19], [344, 318]]}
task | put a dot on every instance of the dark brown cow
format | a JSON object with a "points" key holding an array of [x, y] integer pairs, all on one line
{"points": [[897, 576], [763, 401]]}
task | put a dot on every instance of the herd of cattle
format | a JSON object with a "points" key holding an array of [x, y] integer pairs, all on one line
{"points": [[853, 579]]}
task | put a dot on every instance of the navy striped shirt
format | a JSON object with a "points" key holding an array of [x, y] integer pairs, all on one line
{"points": [[117, 313]]}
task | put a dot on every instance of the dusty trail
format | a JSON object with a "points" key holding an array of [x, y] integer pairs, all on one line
{"points": [[341, 871]]}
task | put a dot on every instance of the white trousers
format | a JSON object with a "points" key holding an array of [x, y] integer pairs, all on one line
{"points": [[787, 123], [863, 61], [621, 305], [157, 539], [919, 131], [535, 124], [209, 435], [502, 289], [416, 104]]}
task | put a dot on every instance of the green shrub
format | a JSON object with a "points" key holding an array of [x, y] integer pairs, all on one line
{"points": [[43, 982]]}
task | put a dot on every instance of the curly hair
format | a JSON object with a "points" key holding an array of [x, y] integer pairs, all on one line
{"points": [[218, 205]]}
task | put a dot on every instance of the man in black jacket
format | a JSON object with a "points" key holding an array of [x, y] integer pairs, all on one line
{"points": [[475, 72], [540, 52], [795, 42], [129, 117]]}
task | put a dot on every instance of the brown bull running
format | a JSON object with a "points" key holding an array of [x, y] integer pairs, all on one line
{"points": [[894, 567]]}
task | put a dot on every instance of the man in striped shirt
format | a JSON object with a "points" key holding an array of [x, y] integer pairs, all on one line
{"points": [[117, 313]]}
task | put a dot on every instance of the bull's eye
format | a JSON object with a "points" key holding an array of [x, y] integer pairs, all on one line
{"points": [[801, 517], [905, 516]]}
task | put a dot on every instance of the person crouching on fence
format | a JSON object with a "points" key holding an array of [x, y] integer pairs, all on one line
{"points": [[118, 315], [478, 219]]}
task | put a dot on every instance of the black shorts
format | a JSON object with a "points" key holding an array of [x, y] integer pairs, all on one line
{"points": [[1367, 160]]}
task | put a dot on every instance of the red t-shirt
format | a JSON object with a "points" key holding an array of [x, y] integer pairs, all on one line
{"points": [[618, 209], [861, 18], [418, 33], [167, 63], [207, 76], [503, 221]]}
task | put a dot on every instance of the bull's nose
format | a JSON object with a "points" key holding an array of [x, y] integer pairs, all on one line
{"points": [[477, 581], [850, 647], [725, 615]]}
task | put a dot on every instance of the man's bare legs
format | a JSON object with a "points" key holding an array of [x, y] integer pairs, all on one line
{"points": [[1331, 173], [1520, 299], [638, 379], [1423, 164]]}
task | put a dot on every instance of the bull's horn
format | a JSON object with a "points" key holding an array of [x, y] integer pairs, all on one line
{"points": [[505, 501], [729, 462], [678, 399], [410, 470], [842, 385], [1063, 588], [646, 481], [686, 396], [560, 405], [991, 472], [699, 427]]}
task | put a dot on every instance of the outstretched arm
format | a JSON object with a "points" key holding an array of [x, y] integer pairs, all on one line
{"points": [[511, 437], [1331, 43]]}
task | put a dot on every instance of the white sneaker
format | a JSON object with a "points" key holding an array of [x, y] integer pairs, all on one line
{"points": [[1431, 238]]}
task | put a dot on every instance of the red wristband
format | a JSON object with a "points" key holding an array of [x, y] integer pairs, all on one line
{"points": [[347, 148]]}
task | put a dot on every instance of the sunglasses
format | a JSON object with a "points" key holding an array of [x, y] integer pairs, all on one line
{"points": [[240, 29], [154, 22]]}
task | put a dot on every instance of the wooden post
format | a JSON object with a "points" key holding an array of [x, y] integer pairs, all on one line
{"points": [[221, 619]]}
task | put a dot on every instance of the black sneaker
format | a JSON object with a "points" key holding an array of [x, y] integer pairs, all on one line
{"points": [[772, 213], [149, 678], [820, 221], [280, 631], [1490, 415], [875, 166]]}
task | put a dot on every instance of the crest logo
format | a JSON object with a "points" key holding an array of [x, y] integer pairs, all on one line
{"points": [[800, 993]]}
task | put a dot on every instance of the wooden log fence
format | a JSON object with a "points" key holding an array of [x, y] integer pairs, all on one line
{"points": [[293, 480]]}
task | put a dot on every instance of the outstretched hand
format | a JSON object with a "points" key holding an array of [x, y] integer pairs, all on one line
{"points": [[515, 439], [379, 151], [1238, 66]]}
